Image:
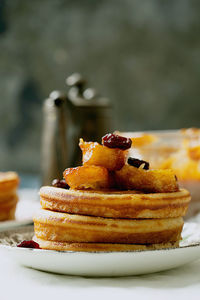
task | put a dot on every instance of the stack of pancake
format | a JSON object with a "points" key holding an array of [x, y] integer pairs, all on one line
{"points": [[9, 182], [109, 220], [95, 215]]}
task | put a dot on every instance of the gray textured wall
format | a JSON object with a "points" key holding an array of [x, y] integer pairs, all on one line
{"points": [[144, 55]]}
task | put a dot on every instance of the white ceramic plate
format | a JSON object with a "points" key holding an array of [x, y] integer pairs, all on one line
{"points": [[102, 264]]}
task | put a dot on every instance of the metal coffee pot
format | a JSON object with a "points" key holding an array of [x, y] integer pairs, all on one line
{"points": [[79, 112]]}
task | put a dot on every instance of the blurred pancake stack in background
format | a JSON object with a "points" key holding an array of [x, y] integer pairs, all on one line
{"points": [[9, 182]]}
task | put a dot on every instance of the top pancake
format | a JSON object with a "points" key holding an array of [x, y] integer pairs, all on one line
{"points": [[115, 204], [9, 182]]}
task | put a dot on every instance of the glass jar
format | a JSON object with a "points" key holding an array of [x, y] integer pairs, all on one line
{"points": [[175, 149]]}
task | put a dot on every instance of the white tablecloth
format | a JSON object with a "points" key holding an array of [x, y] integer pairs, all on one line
{"points": [[17, 282]]}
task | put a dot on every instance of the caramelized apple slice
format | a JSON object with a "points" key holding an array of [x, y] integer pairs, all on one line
{"points": [[143, 140], [99, 155], [159, 181], [139, 139], [88, 177], [194, 153]]}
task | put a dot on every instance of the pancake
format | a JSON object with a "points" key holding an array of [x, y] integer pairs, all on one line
{"points": [[115, 204], [7, 208], [9, 182], [6, 197], [100, 247], [63, 227]]}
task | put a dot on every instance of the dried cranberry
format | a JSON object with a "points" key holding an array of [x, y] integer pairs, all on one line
{"points": [[29, 244], [60, 184], [135, 162], [115, 141]]}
